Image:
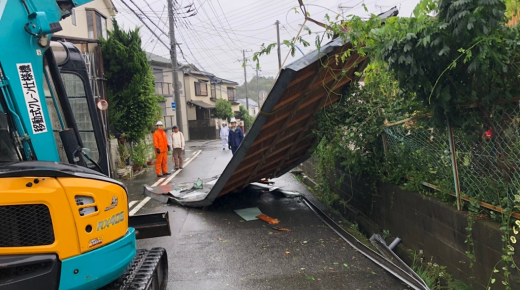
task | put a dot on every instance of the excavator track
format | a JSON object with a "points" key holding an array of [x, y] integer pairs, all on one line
{"points": [[147, 271]]}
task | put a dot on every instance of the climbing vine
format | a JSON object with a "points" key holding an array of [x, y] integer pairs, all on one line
{"points": [[466, 56]]}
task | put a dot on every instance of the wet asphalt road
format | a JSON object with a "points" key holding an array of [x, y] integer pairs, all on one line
{"points": [[216, 249]]}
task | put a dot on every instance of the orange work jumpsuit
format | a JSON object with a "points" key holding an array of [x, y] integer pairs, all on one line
{"points": [[160, 141]]}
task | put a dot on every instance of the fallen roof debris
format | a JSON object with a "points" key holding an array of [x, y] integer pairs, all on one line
{"points": [[268, 219], [249, 214], [280, 138]]}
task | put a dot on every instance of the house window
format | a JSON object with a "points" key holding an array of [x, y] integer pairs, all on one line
{"points": [[73, 16], [97, 25], [158, 74], [231, 92], [201, 89], [213, 91]]}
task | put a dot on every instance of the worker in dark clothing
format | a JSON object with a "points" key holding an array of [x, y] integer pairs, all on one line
{"points": [[235, 136]]}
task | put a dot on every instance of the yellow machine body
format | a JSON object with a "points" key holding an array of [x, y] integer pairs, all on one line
{"points": [[75, 232]]}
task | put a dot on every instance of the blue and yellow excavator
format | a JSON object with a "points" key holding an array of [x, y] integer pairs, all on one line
{"points": [[64, 222]]}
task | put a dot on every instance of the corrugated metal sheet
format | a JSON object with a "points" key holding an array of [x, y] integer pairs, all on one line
{"points": [[280, 137]]}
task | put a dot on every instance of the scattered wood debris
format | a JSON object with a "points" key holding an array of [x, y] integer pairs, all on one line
{"points": [[268, 219]]}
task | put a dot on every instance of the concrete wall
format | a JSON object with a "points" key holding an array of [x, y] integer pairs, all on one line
{"points": [[423, 223]]}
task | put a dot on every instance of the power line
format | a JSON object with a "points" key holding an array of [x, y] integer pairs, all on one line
{"points": [[194, 37], [122, 1], [151, 39], [223, 13], [207, 16], [268, 14], [164, 33], [200, 64], [176, 43]]}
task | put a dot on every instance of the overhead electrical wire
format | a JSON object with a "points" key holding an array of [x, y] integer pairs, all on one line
{"points": [[218, 19], [153, 49], [268, 14], [201, 42], [191, 30], [164, 33], [225, 17], [195, 38], [190, 52], [151, 39], [123, 1], [227, 43]]}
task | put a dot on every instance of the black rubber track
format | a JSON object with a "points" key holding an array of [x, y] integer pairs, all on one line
{"points": [[147, 271]]}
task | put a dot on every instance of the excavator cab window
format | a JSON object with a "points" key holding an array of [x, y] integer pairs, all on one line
{"points": [[7, 147], [76, 92], [55, 111], [74, 114]]}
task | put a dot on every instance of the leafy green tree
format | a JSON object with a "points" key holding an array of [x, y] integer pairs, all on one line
{"points": [[133, 106], [223, 109], [248, 119], [254, 86]]}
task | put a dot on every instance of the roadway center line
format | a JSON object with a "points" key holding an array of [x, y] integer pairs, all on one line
{"points": [[158, 181], [179, 170], [132, 203], [146, 199], [171, 177], [139, 206], [194, 156]]}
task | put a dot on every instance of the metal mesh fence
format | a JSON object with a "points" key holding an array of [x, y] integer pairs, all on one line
{"points": [[420, 147], [487, 153], [488, 157]]}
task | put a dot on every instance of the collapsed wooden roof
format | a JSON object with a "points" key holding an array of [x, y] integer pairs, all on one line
{"points": [[280, 137]]}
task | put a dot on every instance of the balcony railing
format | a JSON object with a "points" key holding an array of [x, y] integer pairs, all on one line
{"points": [[163, 88], [232, 98]]}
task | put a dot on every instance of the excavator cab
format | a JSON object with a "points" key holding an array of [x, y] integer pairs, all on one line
{"points": [[65, 222]]}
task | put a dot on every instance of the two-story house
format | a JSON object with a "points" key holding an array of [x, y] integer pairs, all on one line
{"points": [[227, 90], [163, 73], [253, 106], [202, 90], [84, 27]]}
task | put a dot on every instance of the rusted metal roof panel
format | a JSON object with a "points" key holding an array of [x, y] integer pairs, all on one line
{"points": [[280, 137]]}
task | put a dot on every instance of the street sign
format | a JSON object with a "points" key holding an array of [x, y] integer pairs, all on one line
{"points": [[173, 105]]}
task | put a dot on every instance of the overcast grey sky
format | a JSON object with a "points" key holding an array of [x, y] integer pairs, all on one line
{"points": [[214, 38]]}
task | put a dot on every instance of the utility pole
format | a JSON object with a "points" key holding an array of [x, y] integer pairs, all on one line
{"points": [[175, 69], [257, 80], [257, 86], [278, 40], [245, 78]]}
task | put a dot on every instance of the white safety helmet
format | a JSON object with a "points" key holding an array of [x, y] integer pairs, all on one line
{"points": [[224, 123], [159, 123], [233, 120]]}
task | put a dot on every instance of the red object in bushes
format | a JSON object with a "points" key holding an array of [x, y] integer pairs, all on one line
{"points": [[488, 134]]}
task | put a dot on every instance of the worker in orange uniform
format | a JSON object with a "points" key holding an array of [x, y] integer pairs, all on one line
{"points": [[160, 141]]}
